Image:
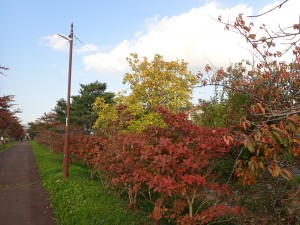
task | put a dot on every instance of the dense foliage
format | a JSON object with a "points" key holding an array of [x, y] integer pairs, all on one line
{"points": [[172, 167], [10, 126], [82, 113], [266, 92], [205, 164], [153, 84]]}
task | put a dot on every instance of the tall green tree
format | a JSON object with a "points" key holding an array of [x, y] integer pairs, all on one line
{"points": [[225, 109], [82, 112]]}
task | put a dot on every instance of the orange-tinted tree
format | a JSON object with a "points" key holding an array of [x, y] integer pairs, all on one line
{"points": [[270, 123], [10, 126]]}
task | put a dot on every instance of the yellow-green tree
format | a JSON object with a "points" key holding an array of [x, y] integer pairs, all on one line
{"points": [[152, 84], [159, 83]]}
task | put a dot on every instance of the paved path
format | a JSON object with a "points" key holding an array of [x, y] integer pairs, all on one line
{"points": [[22, 199]]}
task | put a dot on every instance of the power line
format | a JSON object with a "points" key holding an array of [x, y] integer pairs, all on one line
{"points": [[85, 45], [96, 54]]}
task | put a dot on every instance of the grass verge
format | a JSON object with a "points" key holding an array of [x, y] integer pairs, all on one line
{"points": [[79, 200], [7, 145]]}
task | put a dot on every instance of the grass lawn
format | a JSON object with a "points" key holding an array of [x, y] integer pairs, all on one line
{"points": [[79, 200]]}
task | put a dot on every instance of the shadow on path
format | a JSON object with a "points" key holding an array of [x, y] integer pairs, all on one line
{"points": [[22, 198]]}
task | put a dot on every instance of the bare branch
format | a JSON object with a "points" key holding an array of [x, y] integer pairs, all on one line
{"points": [[3, 68], [278, 6]]}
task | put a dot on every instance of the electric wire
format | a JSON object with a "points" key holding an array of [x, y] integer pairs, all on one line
{"points": [[96, 54]]}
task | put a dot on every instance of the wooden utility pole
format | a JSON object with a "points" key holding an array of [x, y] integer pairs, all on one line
{"points": [[67, 137]]}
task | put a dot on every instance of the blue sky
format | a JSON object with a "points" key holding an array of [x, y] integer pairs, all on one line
{"points": [[176, 29]]}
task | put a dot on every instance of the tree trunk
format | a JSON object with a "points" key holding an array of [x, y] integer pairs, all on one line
{"points": [[190, 203]]}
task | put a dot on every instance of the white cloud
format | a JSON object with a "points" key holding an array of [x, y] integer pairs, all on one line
{"points": [[91, 48], [56, 42], [285, 16], [113, 62], [193, 36], [279, 19]]}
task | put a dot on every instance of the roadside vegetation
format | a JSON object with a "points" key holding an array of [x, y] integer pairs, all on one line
{"points": [[10, 126], [80, 200], [233, 159], [3, 147]]}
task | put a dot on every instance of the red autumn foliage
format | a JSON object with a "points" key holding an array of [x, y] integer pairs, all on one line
{"points": [[10, 126], [51, 132], [173, 167], [182, 159]]}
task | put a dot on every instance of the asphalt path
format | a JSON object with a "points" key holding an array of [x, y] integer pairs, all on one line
{"points": [[22, 198]]}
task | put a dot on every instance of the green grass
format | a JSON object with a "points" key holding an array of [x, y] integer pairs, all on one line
{"points": [[79, 200], [7, 145]]}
